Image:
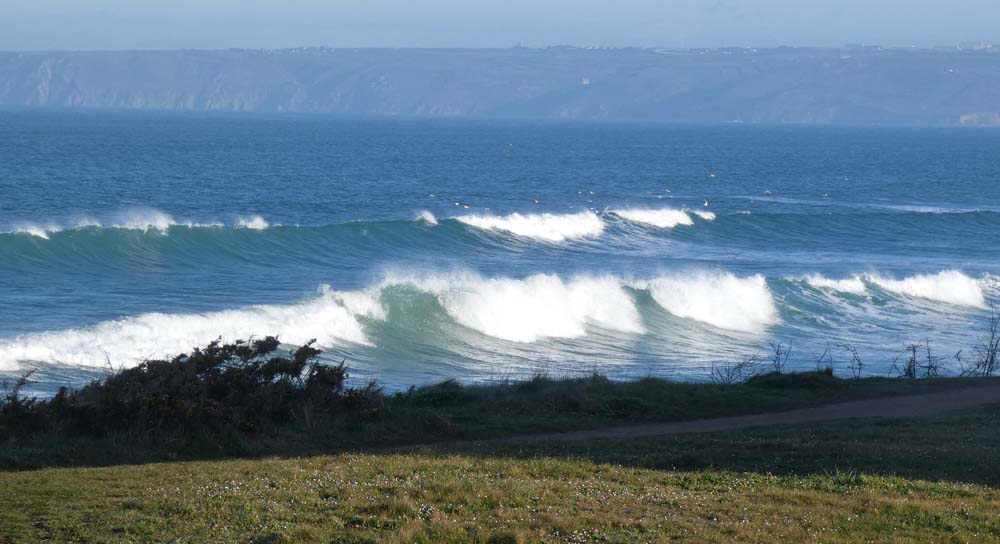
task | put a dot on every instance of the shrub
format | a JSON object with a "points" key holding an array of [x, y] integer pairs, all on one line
{"points": [[214, 396]]}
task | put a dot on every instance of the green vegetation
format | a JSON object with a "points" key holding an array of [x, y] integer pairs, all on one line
{"points": [[249, 399], [270, 447], [578, 493], [957, 447]]}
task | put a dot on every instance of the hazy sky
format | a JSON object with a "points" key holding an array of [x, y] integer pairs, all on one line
{"points": [[151, 24]]}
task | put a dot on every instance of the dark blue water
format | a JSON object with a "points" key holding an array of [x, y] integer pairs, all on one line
{"points": [[422, 250]]}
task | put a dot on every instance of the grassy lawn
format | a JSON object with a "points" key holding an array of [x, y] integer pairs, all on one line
{"points": [[927, 480], [961, 447]]}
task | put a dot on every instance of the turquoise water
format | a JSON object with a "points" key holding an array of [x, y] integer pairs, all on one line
{"points": [[428, 249]]}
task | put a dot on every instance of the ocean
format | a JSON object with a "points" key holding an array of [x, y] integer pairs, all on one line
{"points": [[420, 250]]}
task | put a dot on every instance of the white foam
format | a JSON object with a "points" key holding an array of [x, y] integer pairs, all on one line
{"points": [[949, 286], [936, 210], [717, 298], [531, 309], [546, 226], [991, 284], [427, 217], [664, 218], [144, 219], [87, 222], [704, 214], [254, 222], [331, 317], [36, 230], [854, 285]]}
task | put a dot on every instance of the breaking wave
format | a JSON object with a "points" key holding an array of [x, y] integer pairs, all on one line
{"points": [[720, 299], [546, 226], [522, 310], [948, 286], [534, 308], [35, 230], [427, 217], [331, 317], [663, 218], [254, 222], [140, 219], [853, 285]]}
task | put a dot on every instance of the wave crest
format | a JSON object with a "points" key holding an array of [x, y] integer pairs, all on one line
{"points": [[720, 299], [427, 217], [35, 230], [949, 286], [534, 308], [253, 222], [663, 218], [330, 318], [546, 226], [853, 285]]}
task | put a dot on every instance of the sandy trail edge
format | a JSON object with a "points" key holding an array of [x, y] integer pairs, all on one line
{"points": [[924, 405]]}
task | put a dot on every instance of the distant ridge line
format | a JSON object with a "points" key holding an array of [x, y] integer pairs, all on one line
{"points": [[849, 86]]}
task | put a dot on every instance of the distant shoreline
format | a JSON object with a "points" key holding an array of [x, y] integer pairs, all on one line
{"points": [[785, 85]]}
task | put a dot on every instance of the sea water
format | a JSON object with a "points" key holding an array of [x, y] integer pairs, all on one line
{"points": [[421, 250]]}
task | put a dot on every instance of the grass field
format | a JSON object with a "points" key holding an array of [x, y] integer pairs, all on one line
{"points": [[920, 480], [580, 493]]}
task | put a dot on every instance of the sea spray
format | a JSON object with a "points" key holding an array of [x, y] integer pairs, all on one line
{"points": [[253, 222], [427, 217], [35, 230]]}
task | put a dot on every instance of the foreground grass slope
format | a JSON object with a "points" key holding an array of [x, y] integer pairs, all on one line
{"points": [[244, 443], [548, 492]]}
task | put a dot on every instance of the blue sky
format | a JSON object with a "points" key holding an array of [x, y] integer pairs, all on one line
{"points": [[145, 24]]}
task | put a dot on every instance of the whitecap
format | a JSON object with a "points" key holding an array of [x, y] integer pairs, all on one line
{"points": [[664, 218], [253, 222], [720, 299], [533, 308], [546, 226], [331, 318], [144, 219], [427, 217], [853, 285], [949, 286], [36, 230]]}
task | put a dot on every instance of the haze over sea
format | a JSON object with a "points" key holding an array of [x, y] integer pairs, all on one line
{"points": [[421, 250]]}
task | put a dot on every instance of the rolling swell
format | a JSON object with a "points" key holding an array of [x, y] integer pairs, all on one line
{"points": [[828, 230], [461, 313], [624, 286], [701, 225]]}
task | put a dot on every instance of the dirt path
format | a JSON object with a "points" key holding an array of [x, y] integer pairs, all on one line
{"points": [[925, 405]]}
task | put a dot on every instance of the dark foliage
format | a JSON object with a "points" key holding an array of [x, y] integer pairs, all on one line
{"points": [[987, 352], [819, 379], [213, 397]]}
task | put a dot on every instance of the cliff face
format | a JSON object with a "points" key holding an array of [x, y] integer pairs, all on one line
{"points": [[732, 85]]}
